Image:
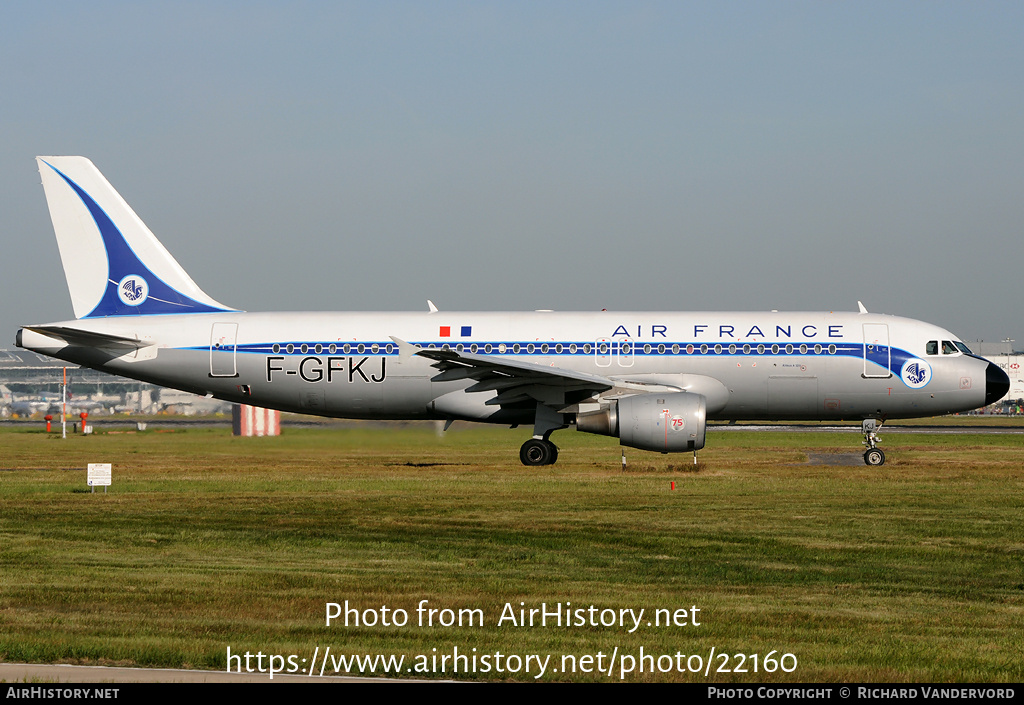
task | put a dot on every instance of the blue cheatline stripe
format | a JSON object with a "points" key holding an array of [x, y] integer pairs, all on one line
{"points": [[121, 262], [583, 349]]}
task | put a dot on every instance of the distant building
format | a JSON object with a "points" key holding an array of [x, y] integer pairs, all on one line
{"points": [[1011, 362], [30, 384], [985, 349], [1013, 365], [21, 367]]}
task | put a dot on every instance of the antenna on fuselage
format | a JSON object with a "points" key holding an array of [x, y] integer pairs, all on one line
{"points": [[431, 306], [861, 307]]}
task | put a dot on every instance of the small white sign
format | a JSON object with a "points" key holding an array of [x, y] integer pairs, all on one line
{"points": [[99, 474]]}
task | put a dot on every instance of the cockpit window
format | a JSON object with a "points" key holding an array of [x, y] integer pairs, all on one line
{"points": [[932, 348], [963, 348], [948, 348]]}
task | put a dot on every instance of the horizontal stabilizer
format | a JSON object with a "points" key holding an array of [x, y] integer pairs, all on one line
{"points": [[86, 338]]}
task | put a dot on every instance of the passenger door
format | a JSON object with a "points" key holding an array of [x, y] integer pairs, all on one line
{"points": [[877, 355]]}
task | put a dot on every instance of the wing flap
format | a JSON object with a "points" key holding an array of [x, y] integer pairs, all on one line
{"points": [[513, 380]]}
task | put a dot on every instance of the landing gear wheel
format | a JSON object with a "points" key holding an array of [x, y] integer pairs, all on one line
{"points": [[538, 452], [874, 456]]}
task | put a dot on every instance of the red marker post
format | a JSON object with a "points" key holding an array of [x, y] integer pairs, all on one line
{"points": [[49, 418]]}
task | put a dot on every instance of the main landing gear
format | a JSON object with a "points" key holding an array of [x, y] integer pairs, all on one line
{"points": [[539, 450], [873, 455]]}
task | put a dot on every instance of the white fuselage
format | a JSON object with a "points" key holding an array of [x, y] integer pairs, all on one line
{"points": [[772, 365]]}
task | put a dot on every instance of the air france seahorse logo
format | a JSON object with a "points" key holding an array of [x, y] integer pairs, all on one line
{"points": [[133, 290], [916, 373]]}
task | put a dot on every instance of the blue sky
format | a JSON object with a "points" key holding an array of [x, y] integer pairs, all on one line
{"points": [[691, 156]]}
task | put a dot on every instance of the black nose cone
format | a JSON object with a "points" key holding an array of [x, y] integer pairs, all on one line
{"points": [[997, 384]]}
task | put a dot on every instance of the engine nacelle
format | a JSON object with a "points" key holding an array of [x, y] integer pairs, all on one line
{"points": [[664, 422]]}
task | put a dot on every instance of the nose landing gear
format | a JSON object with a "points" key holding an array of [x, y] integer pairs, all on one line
{"points": [[873, 455]]}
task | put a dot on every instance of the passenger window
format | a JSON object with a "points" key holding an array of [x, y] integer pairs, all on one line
{"points": [[932, 348], [948, 348]]}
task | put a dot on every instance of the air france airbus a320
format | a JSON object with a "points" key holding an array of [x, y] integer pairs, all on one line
{"points": [[650, 379]]}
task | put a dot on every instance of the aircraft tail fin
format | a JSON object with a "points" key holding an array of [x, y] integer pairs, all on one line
{"points": [[113, 263]]}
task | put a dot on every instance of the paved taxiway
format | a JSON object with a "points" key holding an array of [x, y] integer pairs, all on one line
{"points": [[41, 674]]}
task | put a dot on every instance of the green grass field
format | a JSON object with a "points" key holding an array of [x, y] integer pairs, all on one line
{"points": [[909, 572]]}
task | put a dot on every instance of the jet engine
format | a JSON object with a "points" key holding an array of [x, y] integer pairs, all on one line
{"points": [[664, 422]]}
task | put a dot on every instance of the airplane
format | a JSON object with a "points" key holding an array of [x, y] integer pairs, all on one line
{"points": [[650, 379], [29, 404]]}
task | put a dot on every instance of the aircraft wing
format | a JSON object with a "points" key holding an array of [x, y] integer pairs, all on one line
{"points": [[514, 381]]}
